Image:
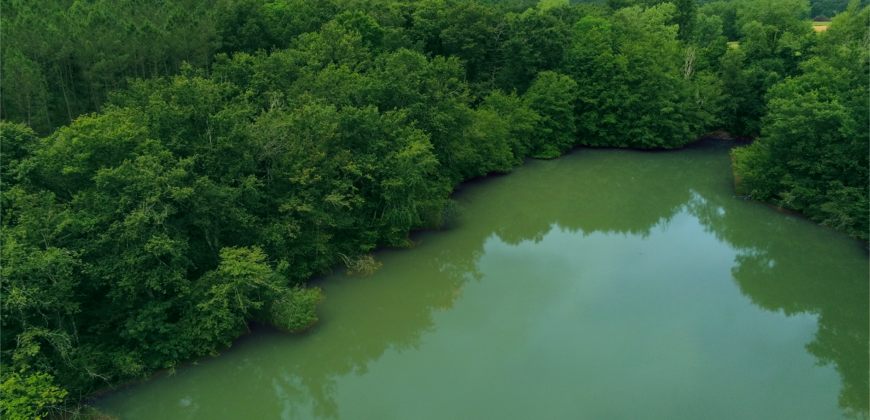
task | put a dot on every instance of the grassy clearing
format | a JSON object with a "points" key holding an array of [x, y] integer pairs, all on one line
{"points": [[734, 44], [820, 26]]}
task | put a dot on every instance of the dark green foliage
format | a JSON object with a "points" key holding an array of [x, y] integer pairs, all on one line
{"points": [[64, 57], [200, 161], [727, 12], [774, 40], [450, 214], [551, 96], [172, 203], [812, 156], [243, 27], [29, 100], [811, 113], [252, 25], [686, 18], [19, 142], [709, 42], [462, 29], [830, 8], [537, 43], [637, 86]]}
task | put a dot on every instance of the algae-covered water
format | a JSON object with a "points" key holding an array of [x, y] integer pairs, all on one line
{"points": [[606, 284]]}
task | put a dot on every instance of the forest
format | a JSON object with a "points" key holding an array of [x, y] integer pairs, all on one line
{"points": [[173, 170]]}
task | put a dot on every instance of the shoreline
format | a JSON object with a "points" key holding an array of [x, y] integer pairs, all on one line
{"points": [[718, 135]]}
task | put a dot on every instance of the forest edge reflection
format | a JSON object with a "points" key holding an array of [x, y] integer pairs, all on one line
{"points": [[816, 285]]}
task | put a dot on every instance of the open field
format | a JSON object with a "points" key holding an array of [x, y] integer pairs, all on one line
{"points": [[821, 26]]}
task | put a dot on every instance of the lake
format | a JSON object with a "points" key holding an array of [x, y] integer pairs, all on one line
{"points": [[605, 284]]}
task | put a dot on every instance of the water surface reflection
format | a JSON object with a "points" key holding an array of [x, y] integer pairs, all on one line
{"points": [[598, 284]]}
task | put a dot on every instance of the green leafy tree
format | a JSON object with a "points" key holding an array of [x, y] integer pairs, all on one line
{"points": [[186, 194], [775, 39], [29, 395], [727, 12], [812, 153], [25, 90], [686, 18], [467, 30], [551, 96], [537, 41], [831, 8], [637, 86], [521, 122]]}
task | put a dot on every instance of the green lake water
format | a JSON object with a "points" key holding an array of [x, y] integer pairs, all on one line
{"points": [[606, 284]]}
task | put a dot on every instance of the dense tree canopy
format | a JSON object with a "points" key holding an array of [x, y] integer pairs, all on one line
{"points": [[172, 170], [812, 156]]}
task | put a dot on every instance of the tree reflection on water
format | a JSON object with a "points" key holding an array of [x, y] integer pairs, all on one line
{"points": [[790, 273]]}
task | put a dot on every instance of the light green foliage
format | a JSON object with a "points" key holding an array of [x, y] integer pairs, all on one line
{"points": [[27, 396], [709, 44], [19, 141], [549, 4], [239, 282], [520, 120], [293, 310], [488, 137]]}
